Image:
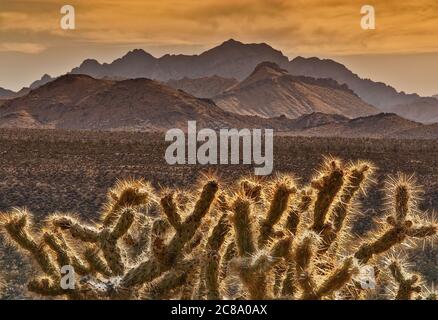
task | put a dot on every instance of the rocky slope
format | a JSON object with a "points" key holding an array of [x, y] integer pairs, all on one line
{"points": [[206, 87], [270, 91], [424, 110]]}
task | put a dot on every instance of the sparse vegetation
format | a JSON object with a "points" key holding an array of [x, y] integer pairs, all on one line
{"points": [[252, 239]]}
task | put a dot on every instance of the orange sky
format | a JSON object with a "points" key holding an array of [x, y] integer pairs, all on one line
{"points": [[32, 43]]}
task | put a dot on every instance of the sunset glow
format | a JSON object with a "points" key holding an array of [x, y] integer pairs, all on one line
{"points": [[107, 28]]}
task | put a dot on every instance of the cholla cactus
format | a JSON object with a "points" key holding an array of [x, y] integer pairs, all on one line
{"points": [[256, 239], [407, 285], [401, 222]]}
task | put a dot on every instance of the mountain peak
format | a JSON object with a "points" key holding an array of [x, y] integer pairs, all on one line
{"points": [[89, 63], [70, 80], [230, 45], [138, 54], [231, 42], [263, 71], [46, 77], [38, 83], [268, 66]]}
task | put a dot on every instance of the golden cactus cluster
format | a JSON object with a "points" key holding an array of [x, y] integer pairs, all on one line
{"points": [[255, 239]]}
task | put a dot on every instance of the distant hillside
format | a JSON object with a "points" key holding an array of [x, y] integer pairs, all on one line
{"points": [[6, 93], [270, 91], [20, 119], [9, 94], [375, 126], [318, 119], [206, 87], [421, 132], [378, 94], [424, 110]]}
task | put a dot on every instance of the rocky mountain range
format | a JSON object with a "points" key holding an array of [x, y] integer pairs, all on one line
{"points": [[231, 59], [233, 84], [234, 59], [83, 102]]}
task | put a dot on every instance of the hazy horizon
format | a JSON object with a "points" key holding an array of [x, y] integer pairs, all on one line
{"points": [[402, 51]]}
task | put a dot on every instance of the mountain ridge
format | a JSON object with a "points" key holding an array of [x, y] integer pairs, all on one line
{"points": [[378, 94], [234, 59], [83, 102], [80, 102], [231, 59]]}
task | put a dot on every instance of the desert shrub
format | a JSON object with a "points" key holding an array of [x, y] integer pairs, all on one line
{"points": [[256, 239]]}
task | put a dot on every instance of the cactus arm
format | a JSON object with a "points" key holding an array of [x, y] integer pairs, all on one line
{"points": [[191, 224], [327, 188], [213, 258], [170, 210], [65, 255], [163, 287], [423, 231], [152, 268], [18, 229], [304, 253], [124, 194], [383, 243], [279, 204], [338, 278], [295, 212], [124, 222], [406, 285], [97, 264], [76, 229], [243, 225]]}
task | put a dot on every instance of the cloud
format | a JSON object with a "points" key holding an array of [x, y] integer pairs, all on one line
{"points": [[23, 47], [299, 26], [14, 21]]}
